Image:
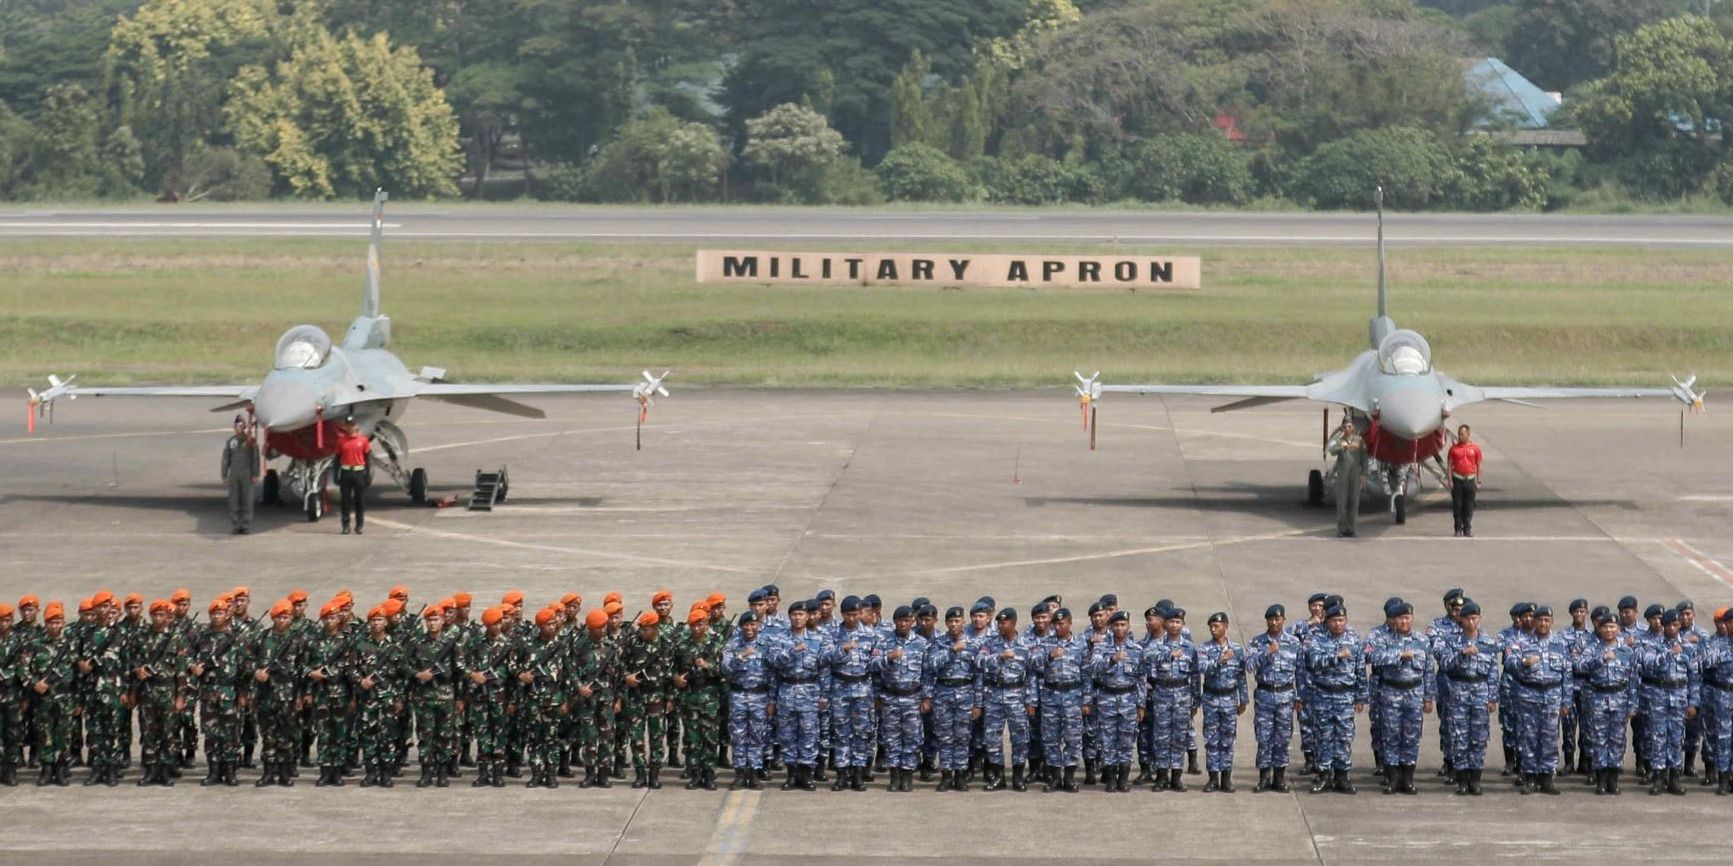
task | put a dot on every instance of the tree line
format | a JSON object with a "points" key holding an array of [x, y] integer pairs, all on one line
{"points": [[1228, 102]]}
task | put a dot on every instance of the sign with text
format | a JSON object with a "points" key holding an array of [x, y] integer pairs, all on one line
{"points": [[998, 270]]}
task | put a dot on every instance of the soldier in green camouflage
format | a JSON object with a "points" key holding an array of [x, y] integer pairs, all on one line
{"points": [[185, 732], [308, 629], [245, 625], [157, 664], [216, 672], [699, 677], [540, 670], [327, 677], [104, 673], [488, 670], [375, 671], [274, 662], [83, 684], [28, 630], [49, 672], [133, 627], [596, 673], [571, 628], [673, 630], [431, 660], [12, 735], [647, 662]]}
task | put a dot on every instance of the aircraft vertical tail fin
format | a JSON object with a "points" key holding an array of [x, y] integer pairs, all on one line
{"points": [[1381, 325], [370, 296]]}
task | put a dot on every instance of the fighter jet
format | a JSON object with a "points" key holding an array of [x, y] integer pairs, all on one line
{"points": [[316, 384], [1393, 395]]}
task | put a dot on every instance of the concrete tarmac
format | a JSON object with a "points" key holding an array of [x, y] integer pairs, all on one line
{"points": [[781, 226], [948, 495]]}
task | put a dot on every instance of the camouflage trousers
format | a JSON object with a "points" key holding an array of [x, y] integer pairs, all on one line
{"points": [[220, 725], [542, 741], [102, 713], [1170, 710], [594, 718], [331, 731], [1116, 726], [645, 724], [156, 727], [953, 717], [1665, 725], [185, 729], [377, 730], [1404, 716], [12, 731], [701, 727], [1537, 721], [1273, 725], [749, 728], [1603, 727], [1221, 728], [1467, 724], [797, 724], [433, 729], [279, 723], [53, 727], [1061, 725], [487, 725]]}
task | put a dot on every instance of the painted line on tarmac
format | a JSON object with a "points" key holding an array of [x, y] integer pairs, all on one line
{"points": [[27, 440], [191, 225], [1121, 424], [554, 548], [648, 430], [1704, 563], [728, 842], [1121, 554]]}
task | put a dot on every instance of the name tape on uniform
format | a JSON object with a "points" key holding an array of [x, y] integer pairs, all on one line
{"points": [[951, 269]]}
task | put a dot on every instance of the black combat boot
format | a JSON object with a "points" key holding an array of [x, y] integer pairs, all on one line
{"points": [[149, 777], [164, 774], [325, 780], [247, 757], [213, 775], [841, 783], [1069, 780], [1214, 784], [61, 770], [1569, 762], [1018, 783], [1279, 780], [1175, 782], [993, 776], [655, 781], [535, 777], [1547, 786], [857, 779], [1159, 777], [601, 781], [1462, 777], [1263, 781], [565, 770], [371, 779], [1673, 785], [1613, 781], [514, 767], [268, 777], [426, 775], [926, 769], [1311, 765], [1690, 764], [483, 773], [1657, 783], [1227, 781], [710, 780], [1344, 785], [1711, 776], [1509, 762], [1408, 780], [1323, 782], [385, 775], [94, 778], [1089, 767], [945, 780], [1601, 783], [1144, 776], [1050, 780], [440, 780], [1724, 786], [639, 780], [1191, 763], [739, 783]]}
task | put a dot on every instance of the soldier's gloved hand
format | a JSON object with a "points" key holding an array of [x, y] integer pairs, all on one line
{"points": [[261, 676], [478, 678]]}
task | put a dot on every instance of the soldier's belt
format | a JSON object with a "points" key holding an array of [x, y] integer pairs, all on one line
{"points": [[1465, 678], [901, 691], [1008, 684], [1724, 685], [750, 690], [1283, 687], [1538, 684], [1061, 687], [1169, 684], [798, 681], [1220, 691], [957, 681], [1333, 689], [852, 678], [1607, 690], [1398, 684], [1659, 683], [1115, 690]]}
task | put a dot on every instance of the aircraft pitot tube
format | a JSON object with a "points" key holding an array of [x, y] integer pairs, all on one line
{"points": [[1088, 394], [43, 401]]}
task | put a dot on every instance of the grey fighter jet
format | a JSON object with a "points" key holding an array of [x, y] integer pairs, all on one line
{"points": [[1394, 396], [316, 384]]}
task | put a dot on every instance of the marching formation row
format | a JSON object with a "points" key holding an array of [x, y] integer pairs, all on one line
{"points": [[832, 685]]}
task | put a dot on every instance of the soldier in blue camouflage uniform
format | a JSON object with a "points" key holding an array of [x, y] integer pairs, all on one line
{"points": [[1469, 660], [1061, 660], [1374, 705], [1521, 618], [905, 691], [802, 681], [375, 678], [1539, 664], [1402, 665], [1610, 671], [1222, 669], [956, 700], [1438, 633], [851, 699], [1009, 699], [1578, 635], [1118, 673], [327, 676], [273, 667], [1304, 630], [1171, 665], [1336, 692], [1273, 662], [927, 626], [747, 664], [1671, 693], [1716, 667], [1696, 639]]}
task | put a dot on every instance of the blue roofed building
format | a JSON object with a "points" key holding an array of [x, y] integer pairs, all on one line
{"points": [[1514, 106]]}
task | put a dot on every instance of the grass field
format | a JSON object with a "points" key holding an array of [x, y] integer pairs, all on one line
{"points": [[131, 311]]}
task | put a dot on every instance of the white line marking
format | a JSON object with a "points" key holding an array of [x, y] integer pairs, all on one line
{"points": [[1706, 497], [1704, 563], [552, 548], [88, 437], [728, 841], [190, 225], [1118, 554]]}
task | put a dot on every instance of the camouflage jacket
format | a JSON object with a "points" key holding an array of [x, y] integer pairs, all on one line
{"points": [[380, 661], [223, 659], [328, 653], [545, 661], [652, 663], [493, 658], [164, 655], [705, 680], [436, 654], [49, 659], [596, 663], [282, 656]]}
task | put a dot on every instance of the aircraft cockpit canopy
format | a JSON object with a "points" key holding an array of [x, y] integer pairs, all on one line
{"points": [[303, 347], [1405, 353]]}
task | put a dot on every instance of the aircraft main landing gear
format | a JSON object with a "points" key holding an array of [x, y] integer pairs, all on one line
{"points": [[1399, 505], [1315, 488], [314, 505], [418, 485]]}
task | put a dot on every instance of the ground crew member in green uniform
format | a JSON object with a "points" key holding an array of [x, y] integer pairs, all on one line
{"points": [[240, 470], [1350, 453]]}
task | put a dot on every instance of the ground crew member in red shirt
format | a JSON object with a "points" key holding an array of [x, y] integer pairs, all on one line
{"points": [[1464, 459], [353, 449]]}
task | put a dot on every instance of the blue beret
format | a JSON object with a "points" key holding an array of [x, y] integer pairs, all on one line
{"points": [[929, 610], [988, 601], [953, 612], [1152, 610], [1542, 610], [903, 612], [1685, 606], [980, 607], [796, 607], [1397, 607], [1393, 600], [1007, 614], [1110, 600], [1333, 611], [1603, 617], [921, 602], [1316, 598], [1164, 604], [1095, 608], [1038, 609], [1119, 616], [1599, 611], [1578, 604], [826, 595], [1470, 608], [1053, 600], [873, 601], [850, 604], [1671, 617], [1521, 608], [747, 616], [755, 596], [1275, 610], [771, 589], [1453, 594], [1062, 613], [1176, 613], [1629, 602], [1652, 610], [1216, 617], [1335, 600]]}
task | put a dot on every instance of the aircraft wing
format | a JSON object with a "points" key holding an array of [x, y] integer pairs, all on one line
{"points": [[1462, 395], [494, 398], [232, 392]]}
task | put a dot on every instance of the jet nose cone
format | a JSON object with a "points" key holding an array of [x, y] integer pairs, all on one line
{"points": [[1410, 413], [284, 404]]}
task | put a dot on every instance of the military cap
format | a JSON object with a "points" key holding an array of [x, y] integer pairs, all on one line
{"points": [[696, 616], [1578, 604], [1152, 610], [1053, 600], [516, 597], [903, 612], [1455, 593], [1521, 608], [215, 605], [1333, 611], [715, 598], [797, 607], [596, 619], [928, 609], [1164, 603], [544, 616], [1629, 602], [1095, 608], [920, 602], [648, 618], [1176, 613], [1218, 616], [1469, 608], [1334, 600], [1402, 609], [463, 599], [1110, 600], [178, 595], [953, 612], [1599, 611], [6, 610], [1602, 618], [748, 615], [1671, 617], [54, 610], [1725, 615], [1392, 600], [873, 601], [1037, 609], [1541, 610], [755, 596], [1006, 614], [1652, 611], [613, 607], [1274, 611], [772, 589], [161, 604], [850, 603], [1119, 616], [1316, 598], [1062, 613], [101, 598], [1684, 606], [826, 594], [658, 597], [378, 611], [980, 607]]}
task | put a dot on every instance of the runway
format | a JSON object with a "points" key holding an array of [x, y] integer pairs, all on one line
{"points": [[788, 225], [948, 495]]}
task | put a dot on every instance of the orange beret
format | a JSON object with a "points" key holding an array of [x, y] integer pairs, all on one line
{"points": [[1720, 612], [448, 602], [597, 619], [333, 606], [491, 616], [239, 591], [85, 604], [716, 598], [392, 607], [54, 610], [5, 610], [700, 604], [399, 591], [134, 598], [697, 616], [660, 596], [378, 612], [345, 593], [180, 595], [543, 617], [29, 601], [648, 617], [513, 598], [217, 604], [282, 608], [101, 598], [297, 596], [433, 611], [613, 607], [225, 598], [463, 599], [613, 596], [570, 598], [163, 605]]}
